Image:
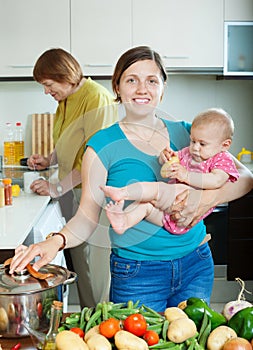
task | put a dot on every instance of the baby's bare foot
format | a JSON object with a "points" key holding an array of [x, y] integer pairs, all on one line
{"points": [[116, 216], [115, 193]]}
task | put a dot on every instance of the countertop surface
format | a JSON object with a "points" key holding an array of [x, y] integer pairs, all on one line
{"points": [[17, 220]]}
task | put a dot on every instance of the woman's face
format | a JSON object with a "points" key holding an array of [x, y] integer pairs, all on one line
{"points": [[59, 91], [141, 87]]}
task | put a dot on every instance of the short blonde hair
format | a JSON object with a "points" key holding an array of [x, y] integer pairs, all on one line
{"points": [[216, 117]]}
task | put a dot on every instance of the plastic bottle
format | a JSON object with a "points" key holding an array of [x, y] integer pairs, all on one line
{"points": [[19, 143], [55, 319], [9, 145], [7, 191], [2, 198]]}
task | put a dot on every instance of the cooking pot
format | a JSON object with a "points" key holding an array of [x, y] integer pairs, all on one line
{"points": [[26, 300]]}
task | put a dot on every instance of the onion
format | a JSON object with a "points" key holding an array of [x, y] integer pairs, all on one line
{"points": [[234, 306], [237, 344]]}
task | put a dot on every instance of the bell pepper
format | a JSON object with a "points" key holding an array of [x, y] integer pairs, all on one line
{"points": [[195, 308], [242, 323]]}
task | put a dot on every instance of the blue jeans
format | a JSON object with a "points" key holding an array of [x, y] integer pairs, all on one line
{"points": [[161, 284]]}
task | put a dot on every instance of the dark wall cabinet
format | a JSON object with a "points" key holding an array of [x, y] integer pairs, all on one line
{"points": [[240, 238]]}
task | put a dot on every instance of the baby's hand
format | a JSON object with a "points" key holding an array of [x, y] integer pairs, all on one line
{"points": [[177, 171], [166, 154], [167, 170]]}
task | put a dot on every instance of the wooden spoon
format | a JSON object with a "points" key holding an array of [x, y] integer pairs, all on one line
{"points": [[30, 269]]}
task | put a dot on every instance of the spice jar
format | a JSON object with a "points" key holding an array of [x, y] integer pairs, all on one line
{"points": [[7, 191], [2, 199]]}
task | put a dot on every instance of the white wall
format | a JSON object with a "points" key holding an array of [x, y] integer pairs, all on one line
{"points": [[185, 96]]}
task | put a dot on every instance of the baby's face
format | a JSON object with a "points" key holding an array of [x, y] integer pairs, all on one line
{"points": [[205, 143]]}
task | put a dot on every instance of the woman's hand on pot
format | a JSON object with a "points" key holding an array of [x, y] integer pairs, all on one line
{"points": [[24, 255]]}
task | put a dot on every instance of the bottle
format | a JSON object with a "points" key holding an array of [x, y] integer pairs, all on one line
{"points": [[2, 197], [19, 143], [7, 191], [9, 146], [55, 319]]}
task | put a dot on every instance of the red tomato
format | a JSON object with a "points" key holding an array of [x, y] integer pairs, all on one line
{"points": [[151, 337], [78, 331], [135, 324], [109, 328]]}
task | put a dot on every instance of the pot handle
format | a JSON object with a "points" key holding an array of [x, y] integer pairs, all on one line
{"points": [[71, 278]]}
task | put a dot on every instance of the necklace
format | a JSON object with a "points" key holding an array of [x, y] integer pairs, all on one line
{"points": [[147, 140]]}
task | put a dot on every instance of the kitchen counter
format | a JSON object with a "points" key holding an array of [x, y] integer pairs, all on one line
{"points": [[17, 220]]}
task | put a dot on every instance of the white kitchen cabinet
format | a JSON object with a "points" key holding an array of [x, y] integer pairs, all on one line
{"points": [[187, 33], [100, 33], [238, 10], [28, 28]]}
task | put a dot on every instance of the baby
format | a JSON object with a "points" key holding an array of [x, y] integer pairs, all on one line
{"points": [[205, 164]]}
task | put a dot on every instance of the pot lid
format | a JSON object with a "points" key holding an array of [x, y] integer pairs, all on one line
{"points": [[24, 283]]}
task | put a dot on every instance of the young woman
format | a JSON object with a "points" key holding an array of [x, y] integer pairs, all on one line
{"points": [[147, 264]]}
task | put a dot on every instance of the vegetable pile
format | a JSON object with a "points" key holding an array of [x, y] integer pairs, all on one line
{"points": [[192, 325]]}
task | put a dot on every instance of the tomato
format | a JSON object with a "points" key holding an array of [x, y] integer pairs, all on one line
{"points": [[109, 328], [151, 337], [78, 331], [135, 324]]}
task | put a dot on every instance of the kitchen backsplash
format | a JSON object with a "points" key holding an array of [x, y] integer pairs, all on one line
{"points": [[185, 96]]}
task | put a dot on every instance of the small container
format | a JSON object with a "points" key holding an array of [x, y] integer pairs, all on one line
{"points": [[55, 319], [2, 198], [9, 145], [7, 191], [18, 142]]}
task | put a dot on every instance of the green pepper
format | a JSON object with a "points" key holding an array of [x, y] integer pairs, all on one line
{"points": [[195, 310], [242, 323]]}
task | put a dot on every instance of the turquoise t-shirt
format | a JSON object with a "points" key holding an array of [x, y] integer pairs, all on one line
{"points": [[126, 164]]}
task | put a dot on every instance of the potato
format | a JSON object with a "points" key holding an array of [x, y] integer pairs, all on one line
{"points": [[92, 331], [66, 340], [127, 341], [98, 342], [166, 166], [218, 337], [181, 329], [4, 321], [172, 313]]}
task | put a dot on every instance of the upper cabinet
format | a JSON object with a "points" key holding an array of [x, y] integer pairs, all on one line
{"points": [[238, 10], [187, 33], [28, 28], [100, 32]]}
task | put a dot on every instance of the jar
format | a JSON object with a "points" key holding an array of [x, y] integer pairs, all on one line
{"points": [[2, 198], [7, 191]]}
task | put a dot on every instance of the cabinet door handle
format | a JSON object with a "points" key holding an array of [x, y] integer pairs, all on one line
{"points": [[176, 57], [20, 66], [98, 65]]}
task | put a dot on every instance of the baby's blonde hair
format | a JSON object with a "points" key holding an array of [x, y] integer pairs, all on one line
{"points": [[218, 118]]}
